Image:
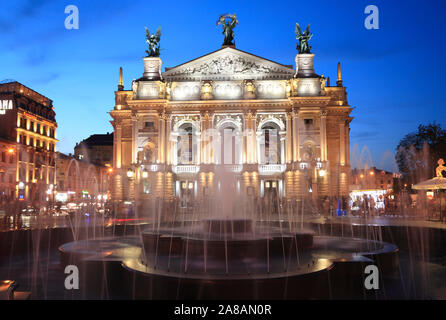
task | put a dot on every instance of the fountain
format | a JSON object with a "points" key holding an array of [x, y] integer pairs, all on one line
{"points": [[229, 253]]}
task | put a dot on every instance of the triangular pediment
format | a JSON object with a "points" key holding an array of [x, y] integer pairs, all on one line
{"points": [[229, 64]]}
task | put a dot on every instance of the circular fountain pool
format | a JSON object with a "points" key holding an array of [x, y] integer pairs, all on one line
{"points": [[231, 259]]}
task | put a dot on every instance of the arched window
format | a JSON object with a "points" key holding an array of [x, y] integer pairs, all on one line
{"points": [[227, 145], [270, 144], [187, 146]]}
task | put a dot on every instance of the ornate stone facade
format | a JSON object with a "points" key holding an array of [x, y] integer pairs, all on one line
{"points": [[276, 127]]}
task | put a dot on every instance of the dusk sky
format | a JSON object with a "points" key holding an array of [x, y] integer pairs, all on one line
{"points": [[394, 76]]}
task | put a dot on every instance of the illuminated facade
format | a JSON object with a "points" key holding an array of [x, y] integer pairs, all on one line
{"points": [[372, 179], [8, 169], [27, 122], [80, 179], [97, 149], [282, 130]]}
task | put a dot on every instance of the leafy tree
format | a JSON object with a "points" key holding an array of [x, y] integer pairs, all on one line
{"points": [[418, 152]]}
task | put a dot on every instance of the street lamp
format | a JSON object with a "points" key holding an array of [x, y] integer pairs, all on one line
{"points": [[130, 173]]}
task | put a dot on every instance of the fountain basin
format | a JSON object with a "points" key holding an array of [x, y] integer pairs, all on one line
{"points": [[183, 261], [227, 227]]}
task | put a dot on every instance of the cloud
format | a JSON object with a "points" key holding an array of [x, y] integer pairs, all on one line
{"points": [[28, 10], [32, 7]]}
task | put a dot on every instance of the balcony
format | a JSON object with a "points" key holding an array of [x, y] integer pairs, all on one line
{"points": [[186, 169], [233, 167], [271, 168]]}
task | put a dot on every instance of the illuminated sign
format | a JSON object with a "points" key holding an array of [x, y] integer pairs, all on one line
{"points": [[62, 197], [5, 105]]}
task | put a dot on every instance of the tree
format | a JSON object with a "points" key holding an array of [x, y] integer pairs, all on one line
{"points": [[418, 152]]}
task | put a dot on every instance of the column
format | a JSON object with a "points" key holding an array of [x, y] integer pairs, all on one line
{"points": [[174, 140], [247, 149], [254, 149], [347, 138], [289, 149], [296, 144], [282, 148], [342, 142], [114, 145], [323, 135], [163, 138], [174, 135], [134, 138], [118, 133], [204, 137], [199, 145], [210, 137], [160, 137], [168, 142]]}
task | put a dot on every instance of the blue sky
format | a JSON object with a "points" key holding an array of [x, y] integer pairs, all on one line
{"points": [[393, 75]]}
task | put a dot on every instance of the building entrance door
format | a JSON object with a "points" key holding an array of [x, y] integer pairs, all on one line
{"points": [[186, 193], [271, 195]]}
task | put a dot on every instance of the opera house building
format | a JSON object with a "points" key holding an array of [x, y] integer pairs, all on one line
{"points": [[282, 130]]}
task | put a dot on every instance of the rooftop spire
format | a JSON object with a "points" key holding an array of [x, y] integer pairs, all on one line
{"points": [[339, 81], [121, 83]]}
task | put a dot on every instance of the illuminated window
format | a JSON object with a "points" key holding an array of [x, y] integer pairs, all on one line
{"points": [[149, 125], [228, 150], [270, 148], [186, 145], [146, 187]]}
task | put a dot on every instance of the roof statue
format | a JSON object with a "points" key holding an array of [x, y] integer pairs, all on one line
{"points": [[228, 22], [153, 40], [440, 168], [303, 38]]}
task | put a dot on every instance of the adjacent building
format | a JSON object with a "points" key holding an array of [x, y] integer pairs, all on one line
{"points": [[97, 148], [372, 179], [280, 129], [8, 169], [79, 179], [28, 131]]}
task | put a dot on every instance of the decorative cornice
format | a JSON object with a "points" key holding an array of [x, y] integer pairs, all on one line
{"points": [[310, 101]]}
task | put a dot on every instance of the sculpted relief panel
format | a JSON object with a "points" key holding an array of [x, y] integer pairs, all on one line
{"points": [[230, 66]]}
